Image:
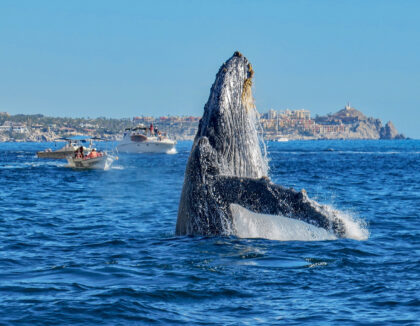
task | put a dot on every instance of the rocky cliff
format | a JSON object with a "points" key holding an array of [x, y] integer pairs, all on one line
{"points": [[390, 132], [358, 126]]}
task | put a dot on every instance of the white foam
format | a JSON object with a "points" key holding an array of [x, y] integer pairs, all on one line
{"points": [[26, 165], [108, 162], [248, 224], [117, 167]]}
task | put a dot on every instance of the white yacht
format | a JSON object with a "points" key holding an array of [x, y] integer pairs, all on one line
{"points": [[141, 139]]}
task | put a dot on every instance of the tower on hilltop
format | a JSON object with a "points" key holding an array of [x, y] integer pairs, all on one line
{"points": [[348, 107]]}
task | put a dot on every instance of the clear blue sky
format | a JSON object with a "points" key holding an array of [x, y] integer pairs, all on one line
{"points": [[127, 58]]}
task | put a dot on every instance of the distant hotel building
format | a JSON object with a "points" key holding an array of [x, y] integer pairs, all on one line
{"points": [[291, 114], [15, 127]]}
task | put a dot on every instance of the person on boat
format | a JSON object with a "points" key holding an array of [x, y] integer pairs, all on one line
{"points": [[151, 129], [93, 153], [79, 152]]}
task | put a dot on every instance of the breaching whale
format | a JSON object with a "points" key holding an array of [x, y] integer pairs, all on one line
{"points": [[226, 168]]}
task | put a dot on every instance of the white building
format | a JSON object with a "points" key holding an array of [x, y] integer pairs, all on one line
{"points": [[9, 126], [272, 114]]}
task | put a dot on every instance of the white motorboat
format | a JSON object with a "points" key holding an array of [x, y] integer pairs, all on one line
{"points": [[102, 161], [89, 157], [141, 139]]}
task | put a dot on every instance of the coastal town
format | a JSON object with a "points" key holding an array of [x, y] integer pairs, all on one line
{"points": [[347, 123]]}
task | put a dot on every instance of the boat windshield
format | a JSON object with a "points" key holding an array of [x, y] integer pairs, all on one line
{"points": [[138, 138]]}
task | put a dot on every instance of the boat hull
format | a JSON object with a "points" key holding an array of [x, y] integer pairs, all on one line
{"points": [[147, 147], [102, 162], [58, 155]]}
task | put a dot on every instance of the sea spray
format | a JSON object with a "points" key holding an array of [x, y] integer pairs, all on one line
{"points": [[262, 142]]}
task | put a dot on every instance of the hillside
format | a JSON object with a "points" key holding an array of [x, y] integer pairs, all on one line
{"points": [[347, 123]]}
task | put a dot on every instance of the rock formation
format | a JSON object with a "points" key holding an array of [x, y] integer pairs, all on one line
{"points": [[390, 132]]}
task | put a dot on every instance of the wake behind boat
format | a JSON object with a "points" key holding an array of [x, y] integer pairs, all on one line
{"points": [[142, 139]]}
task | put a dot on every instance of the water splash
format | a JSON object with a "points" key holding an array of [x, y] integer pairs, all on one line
{"points": [[262, 142], [353, 227], [108, 163], [172, 151], [261, 150]]}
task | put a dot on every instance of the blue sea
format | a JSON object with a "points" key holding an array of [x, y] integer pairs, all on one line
{"points": [[98, 247]]}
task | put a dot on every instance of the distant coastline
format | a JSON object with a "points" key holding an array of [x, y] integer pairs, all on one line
{"points": [[347, 123]]}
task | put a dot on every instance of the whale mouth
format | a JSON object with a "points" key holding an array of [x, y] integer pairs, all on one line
{"points": [[248, 224]]}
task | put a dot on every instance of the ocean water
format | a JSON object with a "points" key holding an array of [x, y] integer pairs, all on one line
{"points": [[98, 247]]}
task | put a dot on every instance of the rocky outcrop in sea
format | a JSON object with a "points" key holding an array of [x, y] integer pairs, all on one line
{"points": [[355, 125], [390, 132], [369, 129]]}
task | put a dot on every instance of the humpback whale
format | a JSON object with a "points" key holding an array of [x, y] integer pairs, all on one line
{"points": [[226, 168]]}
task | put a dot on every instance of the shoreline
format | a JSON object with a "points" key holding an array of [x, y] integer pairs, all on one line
{"points": [[191, 139]]}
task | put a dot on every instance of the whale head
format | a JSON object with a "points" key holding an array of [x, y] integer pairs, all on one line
{"points": [[226, 144], [230, 122]]}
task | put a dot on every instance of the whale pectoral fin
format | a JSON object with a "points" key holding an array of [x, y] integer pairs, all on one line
{"points": [[263, 196], [248, 224]]}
